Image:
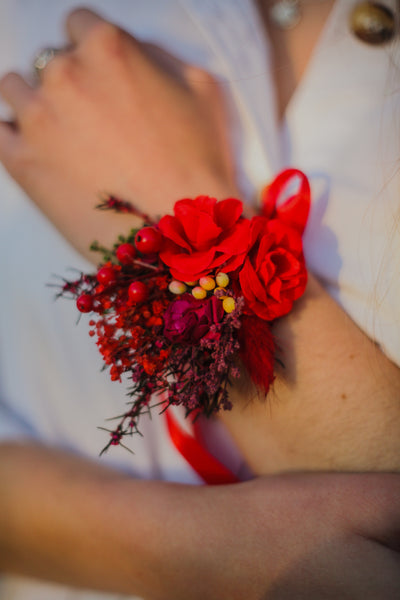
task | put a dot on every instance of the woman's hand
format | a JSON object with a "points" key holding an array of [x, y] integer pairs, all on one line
{"points": [[113, 115]]}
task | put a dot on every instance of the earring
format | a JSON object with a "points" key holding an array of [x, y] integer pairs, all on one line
{"points": [[373, 23]]}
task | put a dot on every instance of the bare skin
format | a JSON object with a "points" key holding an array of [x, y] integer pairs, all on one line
{"points": [[335, 405], [308, 537], [43, 166]]}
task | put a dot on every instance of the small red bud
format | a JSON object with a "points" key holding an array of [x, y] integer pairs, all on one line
{"points": [[126, 253], [138, 292], [148, 240], [84, 303]]}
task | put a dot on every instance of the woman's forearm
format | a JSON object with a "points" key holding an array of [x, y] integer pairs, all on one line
{"points": [[66, 519], [69, 520]]}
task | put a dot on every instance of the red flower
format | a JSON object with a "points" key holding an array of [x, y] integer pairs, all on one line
{"points": [[187, 320], [274, 273], [204, 234]]}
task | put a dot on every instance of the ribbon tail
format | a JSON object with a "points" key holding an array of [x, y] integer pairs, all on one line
{"points": [[210, 469]]}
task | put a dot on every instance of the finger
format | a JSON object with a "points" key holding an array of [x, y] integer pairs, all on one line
{"points": [[45, 57], [16, 91], [80, 22], [191, 75], [9, 137]]}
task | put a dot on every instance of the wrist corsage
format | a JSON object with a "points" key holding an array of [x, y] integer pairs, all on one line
{"points": [[179, 306]]}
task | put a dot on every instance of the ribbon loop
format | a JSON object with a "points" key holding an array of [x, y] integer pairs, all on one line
{"points": [[294, 211]]}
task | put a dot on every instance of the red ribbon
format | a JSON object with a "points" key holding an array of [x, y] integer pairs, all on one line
{"points": [[209, 468], [294, 211]]}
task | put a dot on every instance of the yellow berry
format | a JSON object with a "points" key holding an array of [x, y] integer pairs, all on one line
{"points": [[207, 283], [177, 287], [199, 293], [191, 283], [222, 279], [228, 304]]}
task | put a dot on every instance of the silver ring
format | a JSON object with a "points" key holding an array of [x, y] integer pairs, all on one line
{"points": [[43, 57]]}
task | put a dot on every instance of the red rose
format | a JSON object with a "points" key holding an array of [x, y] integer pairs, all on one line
{"points": [[204, 234], [274, 274]]}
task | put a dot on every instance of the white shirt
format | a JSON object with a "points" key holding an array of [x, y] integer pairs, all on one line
{"points": [[341, 127]]}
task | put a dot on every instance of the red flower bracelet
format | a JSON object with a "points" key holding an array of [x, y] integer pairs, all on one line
{"points": [[176, 303]]}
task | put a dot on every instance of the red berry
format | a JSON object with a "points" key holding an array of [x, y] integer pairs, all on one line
{"points": [[106, 275], [138, 292], [148, 240], [84, 303], [126, 253]]}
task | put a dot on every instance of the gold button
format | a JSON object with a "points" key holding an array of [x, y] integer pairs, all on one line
{"points": [[373, 23]]}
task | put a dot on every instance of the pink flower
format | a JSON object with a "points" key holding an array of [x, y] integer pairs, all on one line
{"points": [[187, 320]]}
